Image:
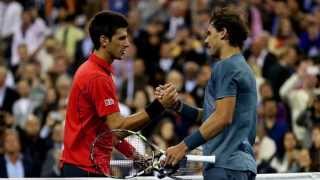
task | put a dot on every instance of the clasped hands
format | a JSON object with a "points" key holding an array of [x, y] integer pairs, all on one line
{"points": [[168, 97]]}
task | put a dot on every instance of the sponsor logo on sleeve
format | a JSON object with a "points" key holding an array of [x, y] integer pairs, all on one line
{"points": [[108, 102]]}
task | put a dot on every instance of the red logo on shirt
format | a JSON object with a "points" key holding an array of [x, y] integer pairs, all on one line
{"points": [[108, 102]]}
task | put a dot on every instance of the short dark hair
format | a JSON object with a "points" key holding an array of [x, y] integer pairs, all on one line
{"points": [[105, 23], [227, 17]]}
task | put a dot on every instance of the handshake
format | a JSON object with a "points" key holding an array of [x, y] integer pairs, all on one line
{"points": [[167, 95]]}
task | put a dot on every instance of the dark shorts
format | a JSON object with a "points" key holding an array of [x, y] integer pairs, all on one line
{"points": [[69, 170], [227, 174]]}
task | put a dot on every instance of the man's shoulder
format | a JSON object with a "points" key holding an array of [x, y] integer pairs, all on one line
{"points": [[232, 61], [88, 71], [226, 67], [84, 75]]}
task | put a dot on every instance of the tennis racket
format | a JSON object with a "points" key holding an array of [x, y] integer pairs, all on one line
{"points": [[125, 154]]}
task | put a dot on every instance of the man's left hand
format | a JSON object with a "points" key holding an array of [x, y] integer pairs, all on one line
{"points": [[176, 153]]}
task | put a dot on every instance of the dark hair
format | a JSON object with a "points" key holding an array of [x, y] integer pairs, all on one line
{"points": [[228, 18], [105, 23]]}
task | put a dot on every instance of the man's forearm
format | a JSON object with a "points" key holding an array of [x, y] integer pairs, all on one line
{"points": [[189, 113], [207, 130], [140, 119], [213, 126], [135, 121]]}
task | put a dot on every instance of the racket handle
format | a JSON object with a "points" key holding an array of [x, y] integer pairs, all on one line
{"points": [[120, 163], [198, 158]]}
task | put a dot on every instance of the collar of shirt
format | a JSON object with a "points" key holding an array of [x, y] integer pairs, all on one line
{"points": [[15, 170], [101, 62], [6, 156]]}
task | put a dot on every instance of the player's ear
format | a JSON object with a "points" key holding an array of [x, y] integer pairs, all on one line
{"points": [[104, 41], [224, 34]]}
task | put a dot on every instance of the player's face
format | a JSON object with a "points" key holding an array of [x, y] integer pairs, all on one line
{"points": [[119, 44], [213, 40]]}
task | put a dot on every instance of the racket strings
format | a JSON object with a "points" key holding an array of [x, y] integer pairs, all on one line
{"points": [[123, 154], [124, 165]]}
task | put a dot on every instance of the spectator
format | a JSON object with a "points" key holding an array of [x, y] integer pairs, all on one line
{"points": [[296, 92], [140, 100], [10, 19], [167, 62], [202, 78], [315, 149], [24, 58], [263, 166], [260, 57], [31, 142], [287, 161], [304, 161], [275, 128], [8, 120], [50, 103], [282, 70], [191, 69], [63, 85], [265, 146], [24, 105], [136, 82], [83, 48], [7, 95], [178, 16], [310, 118], [165, 134], [266, 92], [32, 32], [13, 164], [148, 44], [54, 116], [10, 22], [68, 35], [51, 164], [46, 54], [59, 67], [284, 37], [310, 39]]}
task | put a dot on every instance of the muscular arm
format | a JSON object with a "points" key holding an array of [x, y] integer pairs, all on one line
{"points": [[190, 113], [216, 122], [221, 118], [133, 122]]}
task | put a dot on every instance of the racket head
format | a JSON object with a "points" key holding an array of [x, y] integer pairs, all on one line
{"points": [[122, 154]]}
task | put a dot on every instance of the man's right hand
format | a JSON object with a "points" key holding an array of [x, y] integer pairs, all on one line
{"points": [[167, 95]]}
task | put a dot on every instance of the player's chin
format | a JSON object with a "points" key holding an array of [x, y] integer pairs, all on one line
{"points": [[120, 57], [211, 51]]}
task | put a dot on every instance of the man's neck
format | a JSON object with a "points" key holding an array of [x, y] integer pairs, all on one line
{"points": [[103, 56], [229, 51], [13, 157]]}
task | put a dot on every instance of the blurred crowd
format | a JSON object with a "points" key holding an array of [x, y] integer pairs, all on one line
{"points": [[42, 43]]}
